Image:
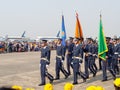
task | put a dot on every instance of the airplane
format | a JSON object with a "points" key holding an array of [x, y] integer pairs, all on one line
{"points": [[16, 37], [49, 37], [22, 37]]}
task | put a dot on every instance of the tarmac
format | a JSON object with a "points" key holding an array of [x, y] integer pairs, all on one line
{"points": [[22, 69]]}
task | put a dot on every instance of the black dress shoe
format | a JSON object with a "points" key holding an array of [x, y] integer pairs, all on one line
{"points": [[56, 78], [66, 77], [75, 83], [84, 80], [104, 80], [117, 73], [51, 81], [114, 77], [94, 74], [41, 84], [87, 77]]}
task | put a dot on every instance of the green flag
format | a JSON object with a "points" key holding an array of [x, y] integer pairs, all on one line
{"points": [[102, 46]]}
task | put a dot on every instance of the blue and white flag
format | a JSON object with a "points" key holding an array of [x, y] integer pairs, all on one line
{"points": [[63, 32]]}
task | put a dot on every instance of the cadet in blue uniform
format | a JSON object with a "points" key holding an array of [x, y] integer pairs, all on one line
{"points": [[44, 62], [60, 56], [118, 41], [69, 54], [119, 49], [115, 56], [95, 55], [77, 59], [89, 50], [85, 49], [107, 64]]}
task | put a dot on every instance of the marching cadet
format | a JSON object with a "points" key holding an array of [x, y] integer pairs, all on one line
{"points": [[107, 64], [44, 62], [119, 49], [89, 59], [115, 56], [60, 56], [69, 54], [85, 49], [77, 60], [95, 55]]}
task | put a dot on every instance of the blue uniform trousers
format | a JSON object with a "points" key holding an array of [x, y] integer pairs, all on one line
{"points": [[115, 64], [107, 65], [90, 64], [94, 64], [60, 67], [86, 66], [44, 73], [76, 70], [69, 60]]}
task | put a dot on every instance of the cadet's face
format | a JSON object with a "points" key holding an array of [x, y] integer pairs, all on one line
{"points": [[88, 41], [71, 40], [43, 44], [75, 41], [107, 41], [59, 42], [115, 42]]}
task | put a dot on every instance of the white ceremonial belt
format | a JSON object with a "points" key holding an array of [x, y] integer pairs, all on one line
{"points": [[59, 56], [116, 53], [76, 57], [94, 54], [44, 59], [89, 53]]}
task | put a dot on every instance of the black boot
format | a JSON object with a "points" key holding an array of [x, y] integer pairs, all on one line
{"points": [[41, 84], [74, 83], [94, 74], [57, 78]]}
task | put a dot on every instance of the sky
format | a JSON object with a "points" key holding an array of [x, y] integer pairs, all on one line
{"points": [[44, 17]]}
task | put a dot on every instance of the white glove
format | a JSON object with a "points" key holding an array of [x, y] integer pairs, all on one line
{"points": [[39, 65], [119, 55], [47, 65]]}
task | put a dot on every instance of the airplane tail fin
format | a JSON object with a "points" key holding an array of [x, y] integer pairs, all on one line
{"points": [[58, 34], [23, 35]]}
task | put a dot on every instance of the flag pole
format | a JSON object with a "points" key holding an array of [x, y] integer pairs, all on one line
{"points": [[100, 14]]}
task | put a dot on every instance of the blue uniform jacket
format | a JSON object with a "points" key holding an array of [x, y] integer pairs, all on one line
{"points": [[60, 51], [45, 53]]}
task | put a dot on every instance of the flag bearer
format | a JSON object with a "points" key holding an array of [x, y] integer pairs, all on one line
{"points": [[69, 54], [107, 64], [77, 60], [60, 56]]}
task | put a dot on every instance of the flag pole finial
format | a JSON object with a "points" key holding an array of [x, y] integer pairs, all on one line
{"points": [[76, 13]]}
